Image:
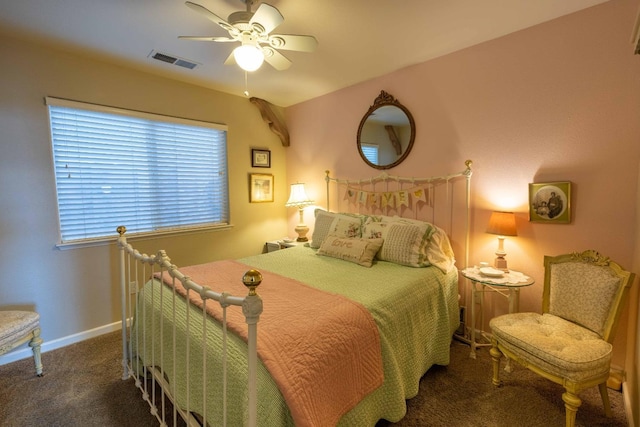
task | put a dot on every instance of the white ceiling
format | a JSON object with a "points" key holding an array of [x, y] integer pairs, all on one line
{"points": [[358, 39]]}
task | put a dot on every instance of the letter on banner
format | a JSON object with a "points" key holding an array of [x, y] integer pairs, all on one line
{"points": [[402, 198], [388, 200], [374, 199], [362, 197]]}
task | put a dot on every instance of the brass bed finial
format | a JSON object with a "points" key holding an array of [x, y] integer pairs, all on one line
{"points": [[468, 172], [252, 280], [121, 230]]}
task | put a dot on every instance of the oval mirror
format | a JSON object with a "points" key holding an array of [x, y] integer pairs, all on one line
{"points": [[386, 133]]}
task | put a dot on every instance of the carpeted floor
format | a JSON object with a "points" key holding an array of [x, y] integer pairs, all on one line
{"points": [[82, 386]]}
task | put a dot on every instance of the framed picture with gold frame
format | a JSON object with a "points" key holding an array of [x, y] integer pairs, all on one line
{"points": [[260, 188], [550, 202]]}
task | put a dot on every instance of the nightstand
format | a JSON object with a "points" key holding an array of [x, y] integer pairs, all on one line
{"points": [[274, 245], [508, 285]]}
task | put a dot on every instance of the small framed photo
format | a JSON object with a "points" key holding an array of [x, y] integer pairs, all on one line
{"points": [[260, 188], [550, 202], [260, 158]]}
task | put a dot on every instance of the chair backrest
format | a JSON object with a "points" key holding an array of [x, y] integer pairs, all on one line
{"points": [[586, 288]]}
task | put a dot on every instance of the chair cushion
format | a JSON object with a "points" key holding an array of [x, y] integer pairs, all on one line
{"points": [[556, 345], [16, 324]]}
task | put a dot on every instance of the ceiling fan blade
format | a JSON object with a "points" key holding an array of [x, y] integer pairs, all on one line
{"points": [[265, 19], [276, 59], [209, 15], [208, 38], [293, 42]]}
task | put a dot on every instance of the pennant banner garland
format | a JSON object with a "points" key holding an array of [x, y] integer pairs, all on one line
{"points": [[391, 199]]}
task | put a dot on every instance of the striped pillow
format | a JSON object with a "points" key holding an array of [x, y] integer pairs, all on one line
{"points": [[405, 242]]}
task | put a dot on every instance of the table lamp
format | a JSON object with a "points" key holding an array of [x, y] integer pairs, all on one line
{"points": [[298, 198], [503, 224]]}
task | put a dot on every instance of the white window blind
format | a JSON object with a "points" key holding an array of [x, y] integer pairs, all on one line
{"points": [[370, 151], [147, 172]]}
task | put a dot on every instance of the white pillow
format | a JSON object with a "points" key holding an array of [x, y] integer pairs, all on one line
{"points": [[356, 250], [439, 251]]}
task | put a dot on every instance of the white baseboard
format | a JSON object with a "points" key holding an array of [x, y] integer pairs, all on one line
{"points": [[23, 353]]}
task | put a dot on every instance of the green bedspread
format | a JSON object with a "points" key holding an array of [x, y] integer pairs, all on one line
{"points": [[416, 310]]}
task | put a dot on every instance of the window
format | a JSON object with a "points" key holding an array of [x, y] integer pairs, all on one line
{"points": [[147, 172], [370, 151]]}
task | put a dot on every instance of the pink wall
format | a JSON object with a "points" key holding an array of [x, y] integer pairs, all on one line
{"points": [[556, 102]]}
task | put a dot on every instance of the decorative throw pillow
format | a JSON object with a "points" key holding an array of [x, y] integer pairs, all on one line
{"points": [[375, 229], [355, 249], [345, 225]]}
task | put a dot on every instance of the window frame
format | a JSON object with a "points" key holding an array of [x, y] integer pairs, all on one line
{"points": [[367, 148], [174, 229]]}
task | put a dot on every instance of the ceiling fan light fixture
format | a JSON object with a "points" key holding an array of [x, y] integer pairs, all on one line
{"points": [[254, 31], [248, 57]]}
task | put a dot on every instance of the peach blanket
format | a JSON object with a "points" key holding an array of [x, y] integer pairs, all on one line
{"points": [[322, 350]]}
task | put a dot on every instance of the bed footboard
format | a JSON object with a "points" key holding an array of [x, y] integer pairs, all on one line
{"points": [[160, 350]]}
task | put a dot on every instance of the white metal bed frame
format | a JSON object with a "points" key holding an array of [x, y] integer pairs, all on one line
{"points": [[136, 269], [392, 184]]}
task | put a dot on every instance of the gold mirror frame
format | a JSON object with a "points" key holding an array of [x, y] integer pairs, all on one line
{"points": [[389, 129]]}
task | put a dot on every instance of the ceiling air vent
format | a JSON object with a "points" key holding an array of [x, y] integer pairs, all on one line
{"points": [[180, 62], [185, 64]]}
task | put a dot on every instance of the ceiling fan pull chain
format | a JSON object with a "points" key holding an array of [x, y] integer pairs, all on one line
{"points": [[246, 86]]}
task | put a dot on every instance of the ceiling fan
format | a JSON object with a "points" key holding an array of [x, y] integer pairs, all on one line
{"points": [[252, 30]]}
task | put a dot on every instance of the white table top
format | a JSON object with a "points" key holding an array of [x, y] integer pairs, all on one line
{"points": [[511, 279]]}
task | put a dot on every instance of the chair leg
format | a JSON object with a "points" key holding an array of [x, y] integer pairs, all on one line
{"points": [[496, 354], [571, 403], [605, 399], [35, 344]]}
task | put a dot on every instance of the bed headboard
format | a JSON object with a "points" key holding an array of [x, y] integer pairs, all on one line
{"points": [[441, 200]]}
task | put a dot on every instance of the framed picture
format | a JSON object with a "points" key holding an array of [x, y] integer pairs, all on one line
{"points": [[260, 188], [260, 158], [550, 202]]}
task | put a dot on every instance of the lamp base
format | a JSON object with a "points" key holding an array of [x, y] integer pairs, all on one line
{"points": [[501, 264], [302, 231]]}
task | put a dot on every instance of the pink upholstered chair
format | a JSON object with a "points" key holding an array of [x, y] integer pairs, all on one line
{"points": [[19, 327], [570, 342]]}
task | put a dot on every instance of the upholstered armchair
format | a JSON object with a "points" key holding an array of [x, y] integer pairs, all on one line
{"points": [[19, 327], [570, 342]]}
